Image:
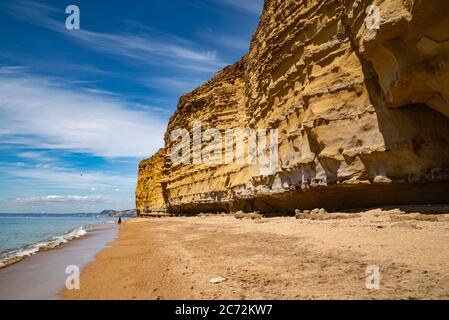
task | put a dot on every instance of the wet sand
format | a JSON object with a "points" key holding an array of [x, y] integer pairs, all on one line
{"points": [[276, 258], [42, 276]]}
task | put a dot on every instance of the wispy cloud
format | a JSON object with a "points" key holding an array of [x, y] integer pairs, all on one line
{"points": [[66, 178], [36, 156], [44, 113], [5, 70], [226, 40], [249, 6], [176, 85], [148, 48], [74, 191], [63, 204], [53, 198]]}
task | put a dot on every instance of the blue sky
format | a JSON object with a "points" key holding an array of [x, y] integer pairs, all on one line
{"points": [[79, 109]]}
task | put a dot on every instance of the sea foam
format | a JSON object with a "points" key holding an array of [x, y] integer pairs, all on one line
{"points": [[29, 250]]}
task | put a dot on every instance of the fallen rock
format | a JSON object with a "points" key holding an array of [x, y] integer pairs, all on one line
{"points": [[428, 218], [240, 215], [346, 216], [217, 280], [302, 215], [414, 217], [255, 216], [322, 216], [408, 225]]}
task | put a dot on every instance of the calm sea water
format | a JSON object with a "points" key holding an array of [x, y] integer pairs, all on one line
{"points": [[24, 235]]}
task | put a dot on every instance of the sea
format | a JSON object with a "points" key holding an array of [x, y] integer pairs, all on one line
{"points": [[23, 235]]}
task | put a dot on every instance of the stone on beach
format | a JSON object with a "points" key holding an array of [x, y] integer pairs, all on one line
{"points": [[217, 280]]}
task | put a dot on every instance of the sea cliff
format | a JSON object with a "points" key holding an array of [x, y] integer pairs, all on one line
{"points": [[361, 113]]}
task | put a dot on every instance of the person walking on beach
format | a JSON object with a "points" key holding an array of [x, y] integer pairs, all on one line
{"points": [[119, 220]]}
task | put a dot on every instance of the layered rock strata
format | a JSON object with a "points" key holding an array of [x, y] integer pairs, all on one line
{"points": [[361, 113], [150, 194]]}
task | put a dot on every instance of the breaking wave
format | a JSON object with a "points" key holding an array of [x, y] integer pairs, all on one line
{"points": [[17, 254]]}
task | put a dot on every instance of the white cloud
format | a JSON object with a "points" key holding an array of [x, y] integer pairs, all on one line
{"points": [[11, 69], [148, 48], [43, 113], [35, 179], [178, 85], [70, 178], [53, 198], [249, 6], [228, 41], [64, 204], [36, 156]]}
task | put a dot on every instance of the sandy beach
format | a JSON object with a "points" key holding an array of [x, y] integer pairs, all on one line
{"points": [[276, 258]]}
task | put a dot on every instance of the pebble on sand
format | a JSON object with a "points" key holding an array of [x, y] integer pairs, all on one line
{"points": [[217, 280]]}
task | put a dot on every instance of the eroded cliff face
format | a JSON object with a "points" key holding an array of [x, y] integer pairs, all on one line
{"points": [[362, 114], [150, 186]]}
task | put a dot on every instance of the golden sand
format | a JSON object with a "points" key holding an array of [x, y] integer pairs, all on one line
{"points": [[277, 258]]}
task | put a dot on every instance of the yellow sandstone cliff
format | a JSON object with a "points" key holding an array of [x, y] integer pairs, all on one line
{"points": [[362, 113], [150, 189]]}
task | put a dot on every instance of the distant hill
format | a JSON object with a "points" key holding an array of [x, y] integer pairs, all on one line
{"points": [[115, 213]]}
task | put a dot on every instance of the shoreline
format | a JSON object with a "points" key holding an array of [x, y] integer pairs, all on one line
{"points": [[45, 245], [276, 258], [41, 276]]}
